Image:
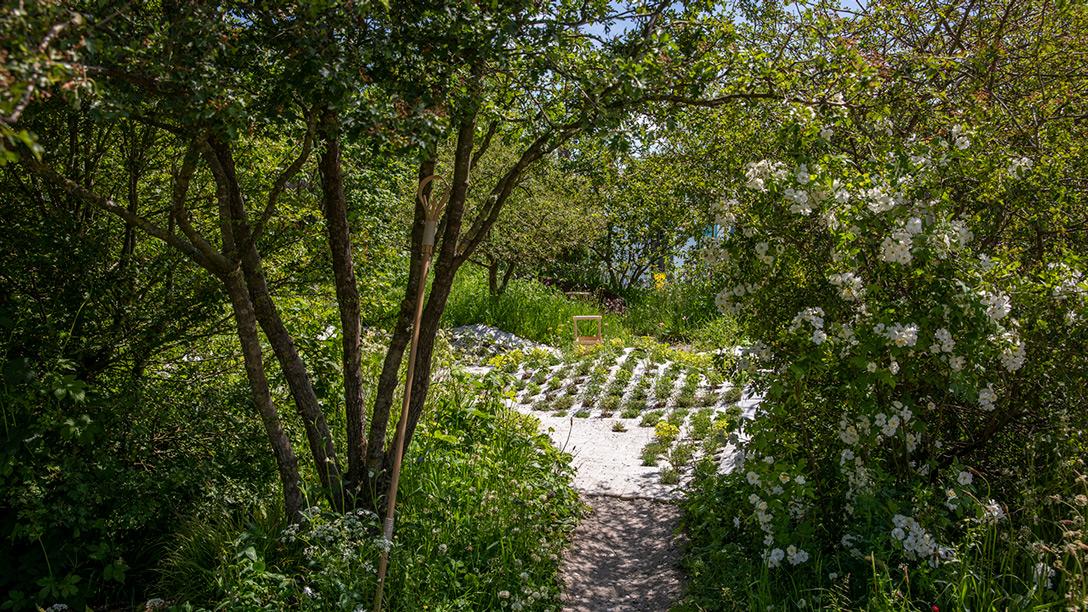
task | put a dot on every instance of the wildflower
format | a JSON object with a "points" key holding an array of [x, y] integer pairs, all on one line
{"points": [[774, 559], [826, 133], [1012, 357], [1019, 165], [986, 397], [849, 284], [956, 362], [942, 342], [994, 511], [965, 478], [504, 594], [998, 305], [796, 556]]}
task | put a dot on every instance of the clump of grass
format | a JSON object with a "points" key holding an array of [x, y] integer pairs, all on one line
{"points": [[630, 412], [652, 451], [670, 476], [650, 418], [582, 414], [677, 416], [610, 403], [563, 403], [618, 426], [732, 394], [701, 422], [559, 413], [681, 454]]}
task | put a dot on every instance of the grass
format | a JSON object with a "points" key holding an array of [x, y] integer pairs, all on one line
{"points": [[485, 507], [651, 418], [528, 308]]}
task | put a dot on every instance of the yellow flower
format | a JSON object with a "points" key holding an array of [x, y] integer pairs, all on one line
{"points": [[659, 280]]}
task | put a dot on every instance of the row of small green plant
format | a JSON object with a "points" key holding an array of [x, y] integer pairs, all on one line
{"points": [[584, 377], [681, 439]]}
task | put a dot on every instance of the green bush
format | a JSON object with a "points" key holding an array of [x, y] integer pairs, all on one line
{"points": [[485, 510]]}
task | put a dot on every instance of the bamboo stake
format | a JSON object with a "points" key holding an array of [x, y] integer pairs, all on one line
{"points": [[430, 226]]}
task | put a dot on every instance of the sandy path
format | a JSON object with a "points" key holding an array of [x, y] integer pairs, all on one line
{"points": [[624, 557], [625, 552]]}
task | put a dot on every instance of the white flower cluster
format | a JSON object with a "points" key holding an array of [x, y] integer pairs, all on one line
{"points": [[724, 299], [759, 172], [849, 284], [1019, 166], [793, 554], [889, 425], [896, 248], [800, 202], [942, 342], [815, 317], [959, 137], [1014, 354], [880, 199], [917, 543], [761, 253], [998, 305], [986, 397], [899, 334]]}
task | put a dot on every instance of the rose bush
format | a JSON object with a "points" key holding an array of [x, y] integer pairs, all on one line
{"points": [[906, 335]]}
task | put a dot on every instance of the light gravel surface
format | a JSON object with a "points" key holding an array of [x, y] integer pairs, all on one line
{"points": [[608, 462]]}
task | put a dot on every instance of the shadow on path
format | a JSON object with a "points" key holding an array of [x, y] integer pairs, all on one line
{"points": [[624, 557]]}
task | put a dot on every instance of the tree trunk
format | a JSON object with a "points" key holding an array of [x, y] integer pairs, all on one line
{"points": [[394, 355], [334, 207], [286, 462], [506, 276], [294, 370], [493, 278]]}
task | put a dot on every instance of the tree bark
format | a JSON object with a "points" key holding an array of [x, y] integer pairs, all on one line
{"points": [[394, 355], [286, 462], [318, 435], [493, 277], [334, 206]]}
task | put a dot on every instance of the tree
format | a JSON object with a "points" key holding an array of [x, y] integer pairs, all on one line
{"points": [[222, 86], [551, 214]]}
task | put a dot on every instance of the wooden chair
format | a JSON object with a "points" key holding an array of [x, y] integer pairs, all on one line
{"points": [[585, 340]]}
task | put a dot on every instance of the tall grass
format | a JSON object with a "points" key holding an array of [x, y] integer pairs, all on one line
{"points": [[527, 308]]}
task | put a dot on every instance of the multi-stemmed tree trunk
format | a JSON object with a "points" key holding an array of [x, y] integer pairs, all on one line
{"points": [[203, 101]]}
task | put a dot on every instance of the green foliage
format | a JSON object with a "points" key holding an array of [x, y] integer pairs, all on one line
{"points": [[527, 308], [90, 477], [486, 510]]}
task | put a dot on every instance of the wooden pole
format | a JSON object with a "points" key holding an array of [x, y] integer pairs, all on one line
{"points": [[429, 229]]}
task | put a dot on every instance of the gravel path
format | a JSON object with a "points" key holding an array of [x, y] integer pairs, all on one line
{"points": [[625, 552], [624, 557], [608, 462]]}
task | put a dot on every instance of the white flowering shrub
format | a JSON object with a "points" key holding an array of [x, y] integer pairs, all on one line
{"points": [[899, 317]]}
